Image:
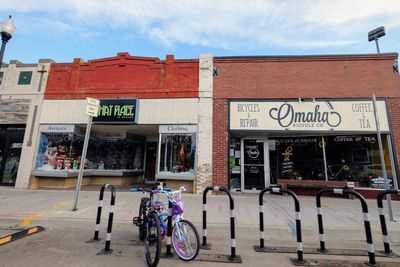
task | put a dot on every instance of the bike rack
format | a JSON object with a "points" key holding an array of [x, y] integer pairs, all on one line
{"points": [[107, 249], [298, 220], [233, 257], [383, 220], [371, 250]]}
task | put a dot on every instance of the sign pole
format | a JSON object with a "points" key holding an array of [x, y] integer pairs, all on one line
{"points": [[378, 132], [82, 166]]}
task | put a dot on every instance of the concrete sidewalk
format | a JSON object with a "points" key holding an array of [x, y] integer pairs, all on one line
{"points": [[343, 222]]}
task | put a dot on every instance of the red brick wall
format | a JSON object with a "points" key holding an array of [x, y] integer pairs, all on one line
{"points": [[356, 76], [123, 76]]}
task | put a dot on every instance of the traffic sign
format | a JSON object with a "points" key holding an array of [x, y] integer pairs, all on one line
{"points": [[92, 107]]}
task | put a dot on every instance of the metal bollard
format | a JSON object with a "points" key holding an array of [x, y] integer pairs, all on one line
{"points": [[169, 230], [383, 220], [110, 217], [371, 250], [298, 219], [233, 256]]}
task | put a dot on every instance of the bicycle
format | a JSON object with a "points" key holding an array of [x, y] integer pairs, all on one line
{"points": [[149, 229], [185, 238]]}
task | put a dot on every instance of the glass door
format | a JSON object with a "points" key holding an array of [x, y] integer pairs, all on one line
{"points": [[3, 139], [11, 153], [254, 162]]}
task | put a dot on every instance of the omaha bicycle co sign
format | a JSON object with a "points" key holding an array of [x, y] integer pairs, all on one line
{"points": [[357, 115], [118, 111]]}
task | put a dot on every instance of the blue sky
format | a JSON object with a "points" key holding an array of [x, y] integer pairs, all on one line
{"points": [[90, 29]]}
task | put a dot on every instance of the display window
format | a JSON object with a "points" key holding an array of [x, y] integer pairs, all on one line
{"points": [[347, 158], [62, 152], [59, 151], [177, 153]]}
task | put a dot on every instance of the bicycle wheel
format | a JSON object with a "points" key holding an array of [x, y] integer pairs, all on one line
{"points": [[142, 210], [185, 240], [152, 240]]}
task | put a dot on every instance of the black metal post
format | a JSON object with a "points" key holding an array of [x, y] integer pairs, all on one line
{"points": [[371, 250], [382, 219], [169, 229], [233, 256], [110, 218], [98, 217], [298, 219]]}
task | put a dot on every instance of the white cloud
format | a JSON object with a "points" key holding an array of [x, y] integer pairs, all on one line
{"points": [[219, 23]]}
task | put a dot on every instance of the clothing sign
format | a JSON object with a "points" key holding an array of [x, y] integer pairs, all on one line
{"points": [[355, 115], [123, 111], [178, 128]]}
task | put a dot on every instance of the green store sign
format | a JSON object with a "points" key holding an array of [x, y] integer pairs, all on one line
{"points": [[120, 111]]}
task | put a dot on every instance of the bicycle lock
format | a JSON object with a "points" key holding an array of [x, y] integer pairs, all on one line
{"points": [[233, 257], [371, 250], [107, 249], [298, 220], [382, 218]]}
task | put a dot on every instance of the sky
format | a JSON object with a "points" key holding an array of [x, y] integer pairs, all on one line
{"points": [[89, 29]]}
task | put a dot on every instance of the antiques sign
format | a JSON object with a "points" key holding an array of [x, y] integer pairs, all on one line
{"points": [[308, 116], [122, 111]]}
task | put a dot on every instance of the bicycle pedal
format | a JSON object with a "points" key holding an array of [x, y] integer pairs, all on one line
{"points": [[136, 221]]}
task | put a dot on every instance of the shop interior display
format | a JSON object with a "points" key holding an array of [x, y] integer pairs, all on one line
{"points": [[177, 153], [62, 152]]}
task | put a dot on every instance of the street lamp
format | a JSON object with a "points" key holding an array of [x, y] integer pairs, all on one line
{"points": [[375, 34], [7, 30]]}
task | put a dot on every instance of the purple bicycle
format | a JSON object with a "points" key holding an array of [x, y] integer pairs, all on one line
{"points": [[185, 238]]}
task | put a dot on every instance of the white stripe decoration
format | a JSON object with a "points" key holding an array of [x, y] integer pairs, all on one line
{"points": [[337, 191], [108, 238], [300, 246], [385, 238], [204, 232], [216, 188], [371, 248], [232, 213], [169, 212], [319, 211], [112, 209], [101, 203], [381, 211], [276, 189], [297, 215], [97, 227], [262, 234], [366, 217], [261, 209], [233, 243], [168, 240], [322, 237], [205, 207]]}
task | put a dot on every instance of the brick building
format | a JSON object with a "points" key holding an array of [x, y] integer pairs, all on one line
{"points": [[305, 121], [148, 125]]}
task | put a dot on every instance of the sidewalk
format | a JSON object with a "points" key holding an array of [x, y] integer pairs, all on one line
{"points": [[343, 223]]}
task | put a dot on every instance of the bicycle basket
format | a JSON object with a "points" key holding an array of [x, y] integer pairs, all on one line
{"points": [[177, 207]]}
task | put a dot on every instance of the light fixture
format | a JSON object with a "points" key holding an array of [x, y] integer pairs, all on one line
{"points": [[7, 29], [375, 34]]}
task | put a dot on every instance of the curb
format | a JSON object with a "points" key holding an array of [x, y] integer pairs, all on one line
{"points": [[30, 231]]}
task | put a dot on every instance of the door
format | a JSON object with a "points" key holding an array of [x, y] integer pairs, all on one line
{"points": [[11, 147], [151, 159], [254, 164]]}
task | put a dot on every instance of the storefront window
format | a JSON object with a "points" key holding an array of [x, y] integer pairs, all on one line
{"points": [[353, 158], [59, 151], [177, 154], [297, 158], [356, 158], [234, 164], [116, 154], [62, 152]]}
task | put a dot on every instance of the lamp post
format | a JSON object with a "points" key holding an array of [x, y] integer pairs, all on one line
{"points": [[7, 30]]}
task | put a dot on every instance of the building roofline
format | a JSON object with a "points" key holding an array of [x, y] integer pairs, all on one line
{"points": [[392, 55]]}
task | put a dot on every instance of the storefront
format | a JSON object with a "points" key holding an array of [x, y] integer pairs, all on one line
{"points": [[305, 121], [328, 140], [128, 143]]}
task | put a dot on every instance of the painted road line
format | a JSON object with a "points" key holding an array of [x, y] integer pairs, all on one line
{"points": [[20, 234]]}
